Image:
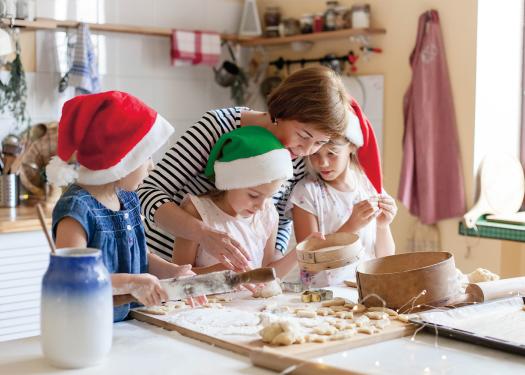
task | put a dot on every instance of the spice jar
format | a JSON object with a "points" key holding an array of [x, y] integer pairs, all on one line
{"points": [[318, 23], [340, 21], [330, 15], [361, 16], [271, 31], [307, 23], [272, 16], [290, 26]]}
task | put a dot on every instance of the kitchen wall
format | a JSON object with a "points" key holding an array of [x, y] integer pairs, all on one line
{"points": [[133, 63], [459, 27]]}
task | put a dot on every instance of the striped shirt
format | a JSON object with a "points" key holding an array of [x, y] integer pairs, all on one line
{"points": [[181, 171]]}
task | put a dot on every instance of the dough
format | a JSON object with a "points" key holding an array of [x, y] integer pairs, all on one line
{"points": [[325, 329], [481, 275], [323, 311], [344, 314], [163, 309], [362, 321], [405, 317], [269, 290], [343, 326], [343, 335], [333, 302], [359, 308], [381, 324], [386, 310], [376, 315], [338, 308], [350, 283], [316, 338], [367, 329], [305, 313], [283, 332]]}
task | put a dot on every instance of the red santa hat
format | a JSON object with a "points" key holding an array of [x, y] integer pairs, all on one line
{"points": [[112, 134], [359, 131]]}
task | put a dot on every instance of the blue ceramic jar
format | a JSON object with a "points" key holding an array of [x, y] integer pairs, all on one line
{"points": [[76, 309]]}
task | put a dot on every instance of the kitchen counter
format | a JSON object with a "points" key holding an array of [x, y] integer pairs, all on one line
{"points": [[139, 348], [23, 218]]}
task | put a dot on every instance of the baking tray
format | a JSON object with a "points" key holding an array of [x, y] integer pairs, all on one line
{"points": [[477, 324]]}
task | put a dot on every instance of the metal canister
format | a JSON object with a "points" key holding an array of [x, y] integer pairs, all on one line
{"points": [[9, 190]]}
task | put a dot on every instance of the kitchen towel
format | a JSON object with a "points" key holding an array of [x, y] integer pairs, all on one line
{"points": [[83, 74], [195, 47]]}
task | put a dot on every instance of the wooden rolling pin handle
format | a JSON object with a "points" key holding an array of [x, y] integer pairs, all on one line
{"points": [[258, 275]]}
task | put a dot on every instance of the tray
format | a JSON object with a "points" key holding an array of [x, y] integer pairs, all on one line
{"points": [[477, 324]]}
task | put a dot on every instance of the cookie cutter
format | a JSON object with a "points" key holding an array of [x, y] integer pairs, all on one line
{"points": [[292, 287], [316, 295]]}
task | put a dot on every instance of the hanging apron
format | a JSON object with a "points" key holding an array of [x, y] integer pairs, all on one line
{"points": [[431, 182]]}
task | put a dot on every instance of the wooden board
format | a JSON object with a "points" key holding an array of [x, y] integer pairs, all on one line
{"points": [[252, 345]]}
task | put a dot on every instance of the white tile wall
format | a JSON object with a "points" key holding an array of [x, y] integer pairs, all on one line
{"points": [[137, 64]]}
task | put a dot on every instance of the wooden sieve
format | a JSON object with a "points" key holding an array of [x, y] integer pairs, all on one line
{"points": [[337, 250], [399, 278]]}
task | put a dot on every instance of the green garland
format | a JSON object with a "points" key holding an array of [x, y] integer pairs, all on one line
{"points": [[13, 94]]}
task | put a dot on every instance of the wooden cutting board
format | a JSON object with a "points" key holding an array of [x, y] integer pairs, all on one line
{"points": [[250, 345]]}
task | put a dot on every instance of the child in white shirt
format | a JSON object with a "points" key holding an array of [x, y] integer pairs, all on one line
{"points": [[344, 194]]}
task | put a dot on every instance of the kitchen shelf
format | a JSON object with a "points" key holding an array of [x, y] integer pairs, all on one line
{"points": [[52, 24], [313, 37]]}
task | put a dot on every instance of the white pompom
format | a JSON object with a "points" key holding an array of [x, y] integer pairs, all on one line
{"points": [[59, 173]]}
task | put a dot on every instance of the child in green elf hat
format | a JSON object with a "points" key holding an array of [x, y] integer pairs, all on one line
{"points": [[247, 173]]}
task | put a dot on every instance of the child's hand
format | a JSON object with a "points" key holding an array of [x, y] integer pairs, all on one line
{"points": [[387, 210], [362, 214], [147, 290]]}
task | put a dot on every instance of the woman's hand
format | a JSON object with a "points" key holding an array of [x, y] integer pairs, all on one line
{"points": [[147, 290], [387, 210], [362, 214], [225, 249]]}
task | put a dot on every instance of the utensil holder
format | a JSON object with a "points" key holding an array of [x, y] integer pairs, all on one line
{"points": [[9, 190]]}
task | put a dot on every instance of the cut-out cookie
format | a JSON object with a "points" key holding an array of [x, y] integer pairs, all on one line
{"points": [[367, 329], [362, 321], [359, 308], [344, 314], [305, 313], [325, 329], [376, 315], [381, 324], [390, 312], [333, 302]]}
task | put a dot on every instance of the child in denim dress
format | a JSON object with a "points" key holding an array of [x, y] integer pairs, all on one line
{"points": [[113, 136]]}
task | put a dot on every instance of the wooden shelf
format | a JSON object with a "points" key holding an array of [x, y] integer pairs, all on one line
{"points": [[313, 37], [52, 24]]}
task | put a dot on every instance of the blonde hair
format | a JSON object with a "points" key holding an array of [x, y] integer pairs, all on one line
{"points": [[340, 141], [314, 96]]}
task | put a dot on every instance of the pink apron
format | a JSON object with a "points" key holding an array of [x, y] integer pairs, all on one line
{"points": [[431, 182]]}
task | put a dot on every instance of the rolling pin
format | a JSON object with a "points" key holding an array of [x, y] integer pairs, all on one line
{"points": [[490, 290]]}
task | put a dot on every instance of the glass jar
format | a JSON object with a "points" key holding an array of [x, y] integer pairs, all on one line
{"points": [[340, 21], [272, 16], [307, 23], [318, 23], [289, 27], [330, 15], [361, 16], [76, 309]]}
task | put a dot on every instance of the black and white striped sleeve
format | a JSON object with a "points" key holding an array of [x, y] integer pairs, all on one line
{"points": [[185, 160]]}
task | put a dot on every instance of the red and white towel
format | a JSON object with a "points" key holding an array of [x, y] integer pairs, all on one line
{"points": [[195, 47]]}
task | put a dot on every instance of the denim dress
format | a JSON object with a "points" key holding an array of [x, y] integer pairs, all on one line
{"points": [[118, 234]]}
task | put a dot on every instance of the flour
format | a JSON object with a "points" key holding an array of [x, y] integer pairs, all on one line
{"points": [[218, 322]]}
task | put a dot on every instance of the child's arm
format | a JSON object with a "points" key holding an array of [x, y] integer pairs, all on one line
{"points": [[284, 264], [385, 244], [304, 223], [70, 233], [185, 251]]}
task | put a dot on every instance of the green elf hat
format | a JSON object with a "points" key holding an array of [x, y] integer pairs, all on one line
{"points": [[248, 157]]}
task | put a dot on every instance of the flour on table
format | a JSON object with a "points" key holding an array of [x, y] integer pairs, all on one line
{"points": [[217, 322]]}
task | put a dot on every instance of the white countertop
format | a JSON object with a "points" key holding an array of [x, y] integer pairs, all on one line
{"points": [[139, 348]]}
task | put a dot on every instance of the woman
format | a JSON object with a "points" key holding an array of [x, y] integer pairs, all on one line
{"points": [[304, 112]]}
